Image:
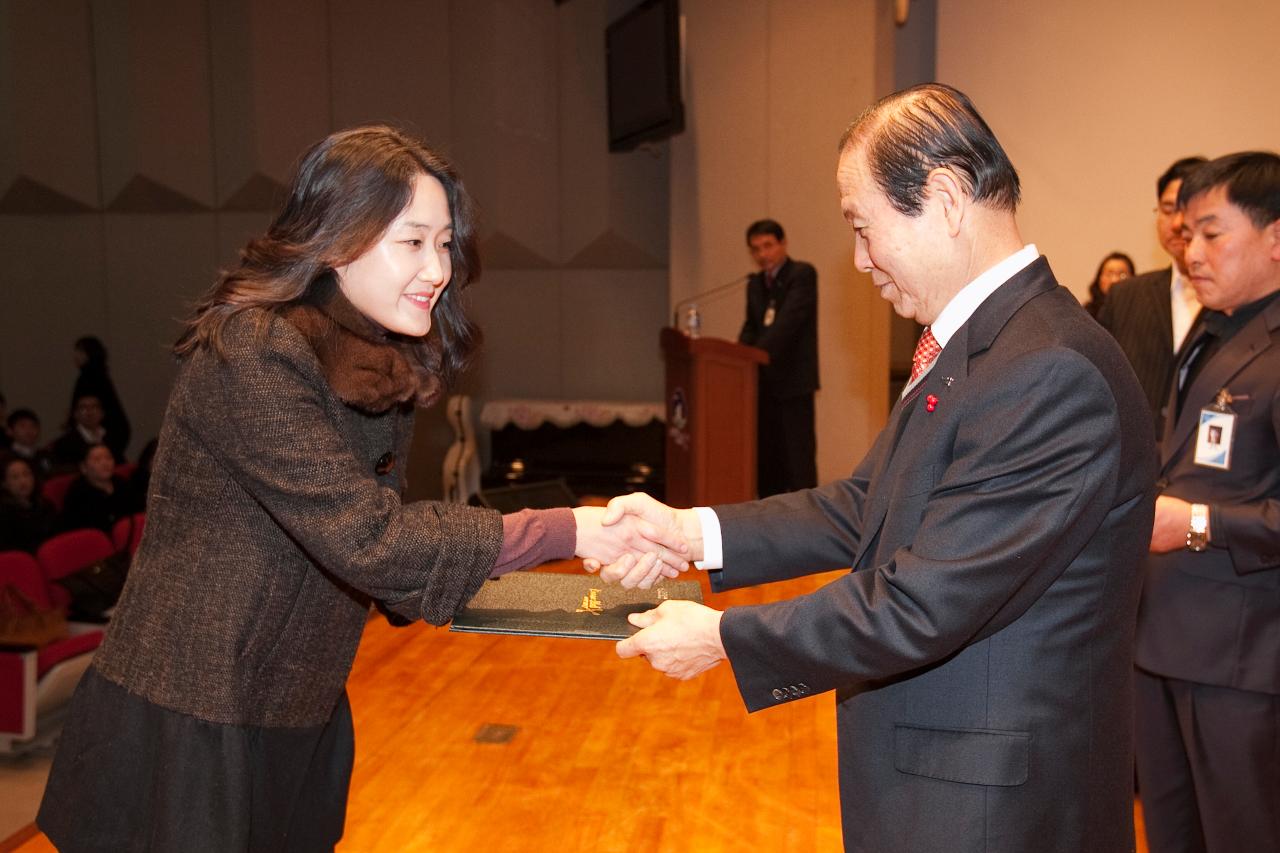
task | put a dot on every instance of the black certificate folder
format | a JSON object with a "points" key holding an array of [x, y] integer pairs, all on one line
{"points": [[563, 605]]}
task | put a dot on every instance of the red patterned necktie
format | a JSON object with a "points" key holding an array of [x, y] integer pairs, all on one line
{"points": [[926, 351]]}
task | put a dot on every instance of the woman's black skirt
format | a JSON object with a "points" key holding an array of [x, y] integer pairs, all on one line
{"points": [[132, 776]]}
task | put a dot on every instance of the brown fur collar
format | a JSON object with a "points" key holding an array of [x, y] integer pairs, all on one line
{"points": [[368, 367]]}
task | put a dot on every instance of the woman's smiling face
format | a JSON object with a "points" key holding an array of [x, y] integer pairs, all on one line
{"points": [[399, 279]]}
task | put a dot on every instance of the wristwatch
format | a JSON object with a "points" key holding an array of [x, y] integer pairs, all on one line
{"points": [[1198, 532]]}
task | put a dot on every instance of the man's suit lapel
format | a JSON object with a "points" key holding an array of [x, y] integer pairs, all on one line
{"points": [[913, 422], [878, 498], [1244, 347], [758, 295], [909, 425], [781, 282]]}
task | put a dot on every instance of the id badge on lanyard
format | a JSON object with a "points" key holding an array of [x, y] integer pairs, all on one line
{"points": [[1215, 433]]}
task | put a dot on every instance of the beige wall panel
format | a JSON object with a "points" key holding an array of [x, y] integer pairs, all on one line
{"points": [[154, 102], [612, 318], [47, 122], [505, 128], [391, 63], [156, 268], [1093, 100], [719, 181], [812, 99], [614, 207], [770, 87], [521, 314], [270, 92], [52, 294]]}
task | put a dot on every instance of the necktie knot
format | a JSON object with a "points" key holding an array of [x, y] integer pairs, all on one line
{"points": [[927, 350]]}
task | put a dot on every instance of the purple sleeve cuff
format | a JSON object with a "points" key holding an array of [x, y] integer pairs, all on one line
{"points": [[531, 537]]}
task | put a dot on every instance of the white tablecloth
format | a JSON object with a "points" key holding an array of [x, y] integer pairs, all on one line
{"points": [[531, 414]]}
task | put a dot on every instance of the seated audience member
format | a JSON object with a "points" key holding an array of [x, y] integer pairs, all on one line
{"points": [[1116, 266], [26, 519], [24, 427], [138, 482], [84, 429], [97, 497], [95, 381]]}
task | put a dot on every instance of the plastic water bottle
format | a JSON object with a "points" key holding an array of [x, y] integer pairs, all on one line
{"points": [[692, 321]]}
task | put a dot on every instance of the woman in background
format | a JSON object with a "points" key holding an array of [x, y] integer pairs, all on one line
{"points": [[1116, 266], [26, 518], [97, 498], [214, 716]]}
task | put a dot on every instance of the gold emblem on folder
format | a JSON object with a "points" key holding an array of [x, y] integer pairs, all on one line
{"points": [[591, 603]]}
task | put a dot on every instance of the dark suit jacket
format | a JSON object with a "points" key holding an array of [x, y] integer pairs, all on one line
{"points": [[981, 647], [1214, 617], [1138, 314], [792, 339]]}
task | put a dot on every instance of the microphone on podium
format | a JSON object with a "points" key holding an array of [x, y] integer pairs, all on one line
{"points": [[693, 322]]}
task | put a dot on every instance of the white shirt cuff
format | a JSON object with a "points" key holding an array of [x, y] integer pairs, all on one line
{"points": [[712, 544]]}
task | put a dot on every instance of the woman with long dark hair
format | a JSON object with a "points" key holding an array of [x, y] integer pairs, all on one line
{"points": [[26, 518], [1115, 267], [214, 716]]}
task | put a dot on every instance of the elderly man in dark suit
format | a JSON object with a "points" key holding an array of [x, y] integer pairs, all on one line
{"points": [[1150, 314], [782, 319], [1208, 649], [980, 648]]}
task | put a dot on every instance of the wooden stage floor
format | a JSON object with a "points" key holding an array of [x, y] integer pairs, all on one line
{"points": [[606, 755]]}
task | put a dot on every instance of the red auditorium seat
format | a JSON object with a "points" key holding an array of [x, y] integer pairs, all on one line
{"points": [[20, 570], [55, 489], [35, 681], [127, 532], [68, 553]]}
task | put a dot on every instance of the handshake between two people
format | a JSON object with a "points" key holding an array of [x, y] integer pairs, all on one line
{"points": [[635, 541]]}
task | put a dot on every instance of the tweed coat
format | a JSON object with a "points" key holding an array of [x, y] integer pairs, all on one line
{"points": [[271, 524], [981, 649]]}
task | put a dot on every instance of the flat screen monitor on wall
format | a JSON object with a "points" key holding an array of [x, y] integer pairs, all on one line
{"points": [[642, 58]]}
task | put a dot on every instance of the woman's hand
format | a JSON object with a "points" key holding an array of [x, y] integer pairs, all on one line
{"points": [[636, 550], [628, 509]]}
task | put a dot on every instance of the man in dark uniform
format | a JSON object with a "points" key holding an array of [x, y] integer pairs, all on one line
{"points": [[1208, 641], [782, 320]]}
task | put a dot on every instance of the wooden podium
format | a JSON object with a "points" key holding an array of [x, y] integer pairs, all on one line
{"points": [[711, 419]]}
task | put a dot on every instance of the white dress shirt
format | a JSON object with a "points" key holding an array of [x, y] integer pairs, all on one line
{"points": [[1184, 304]]}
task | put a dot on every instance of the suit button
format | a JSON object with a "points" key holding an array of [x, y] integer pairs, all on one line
{"points": [[386, 463], [795, 691], [804, 688], [779, 694]]}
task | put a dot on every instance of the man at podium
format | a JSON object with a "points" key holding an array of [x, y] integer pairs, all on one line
{"points": [[782, 320]]}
